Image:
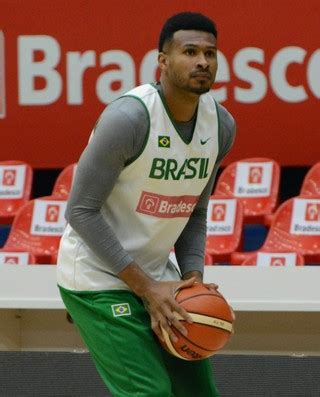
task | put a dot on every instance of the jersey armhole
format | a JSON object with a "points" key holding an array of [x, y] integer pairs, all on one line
{"points": [[132, 159], [219, 126]]}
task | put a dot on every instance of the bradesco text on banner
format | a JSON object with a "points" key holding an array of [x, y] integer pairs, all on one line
{"points": [[77, 63]]}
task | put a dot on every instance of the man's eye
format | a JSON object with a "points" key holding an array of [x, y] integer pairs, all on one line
{"points": [[211, 54], [190, 51]]}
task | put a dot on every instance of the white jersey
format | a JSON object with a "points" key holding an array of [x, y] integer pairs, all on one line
{"points": [[152, 199]]}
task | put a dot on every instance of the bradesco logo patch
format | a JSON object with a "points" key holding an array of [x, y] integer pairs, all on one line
{"points": [[266, 259], [312, 213], [253, 179], [9, 177], [121, 309], [161, 206], [255, 175], [52, 213], [20, 258], [12, 179], [48, 218], [221, 216], [305, 217], [218, 212]]}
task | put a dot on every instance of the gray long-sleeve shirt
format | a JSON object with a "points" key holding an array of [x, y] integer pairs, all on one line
{"points": [[118, 137]]}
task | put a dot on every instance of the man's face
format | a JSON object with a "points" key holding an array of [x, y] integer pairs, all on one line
{"points": [[189, 61]]}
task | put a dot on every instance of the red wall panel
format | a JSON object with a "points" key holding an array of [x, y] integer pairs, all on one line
{"points": [[62, 62]]}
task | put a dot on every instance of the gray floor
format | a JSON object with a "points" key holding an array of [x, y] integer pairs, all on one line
{"points": [[29, 374]]}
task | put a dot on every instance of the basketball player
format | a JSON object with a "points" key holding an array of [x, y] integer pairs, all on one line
{"points": [[141, 188]]}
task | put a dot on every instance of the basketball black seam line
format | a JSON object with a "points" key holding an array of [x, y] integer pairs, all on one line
{"points": [[190, 341]]}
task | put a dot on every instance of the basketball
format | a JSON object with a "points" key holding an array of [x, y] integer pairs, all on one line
{"points": [[211, 328]]}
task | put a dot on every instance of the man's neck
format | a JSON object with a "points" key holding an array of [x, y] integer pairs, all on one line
{"points": [[181, 104]]}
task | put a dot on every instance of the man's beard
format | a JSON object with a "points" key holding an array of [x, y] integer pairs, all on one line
{"points": [[199, 90]]}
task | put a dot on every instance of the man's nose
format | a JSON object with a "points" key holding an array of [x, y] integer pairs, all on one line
{"points": [[202, 60]]}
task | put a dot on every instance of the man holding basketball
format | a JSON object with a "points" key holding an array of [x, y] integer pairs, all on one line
{"points": [[141, 188]]}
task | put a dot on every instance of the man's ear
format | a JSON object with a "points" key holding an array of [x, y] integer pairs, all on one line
{"points": [[162, 60]]}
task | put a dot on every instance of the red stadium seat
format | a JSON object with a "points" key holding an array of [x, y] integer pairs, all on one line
{"points": [[224, 228], [311, 182], [15, 188], [37, 228], [64, 181], [266, 259], [9, 257], [295, 228], [255, 182]]}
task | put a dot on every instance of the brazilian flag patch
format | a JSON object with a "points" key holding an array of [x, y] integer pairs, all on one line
{"points": [[122, 309], [164, 141]]}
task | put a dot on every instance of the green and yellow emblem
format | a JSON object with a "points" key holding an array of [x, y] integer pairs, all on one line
{"points": [[121, 309], [164, 141]]}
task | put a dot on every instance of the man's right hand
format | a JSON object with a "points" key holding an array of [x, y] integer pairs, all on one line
{"points": [[163, 307], [159, 297]]}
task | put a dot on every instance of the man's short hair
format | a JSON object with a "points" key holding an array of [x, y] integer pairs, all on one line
{"points": [[185, 21]]}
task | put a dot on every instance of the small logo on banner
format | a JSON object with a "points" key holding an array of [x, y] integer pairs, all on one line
{"points": [[12, 180], [9, 177], [266, 259], [48, 218], [255, 175], [121, 309], [276, 261], [164, 141], [52, 213], [221, 216], [2, 78], [312, 212], [218, 212], [253, 179], [162, 206], [305, 217], [11, 260]]}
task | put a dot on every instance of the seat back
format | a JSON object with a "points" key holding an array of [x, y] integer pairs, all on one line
{"points": [[255, 182], [224, 227], [9, 257], [276, 259], [296, 227], [38, 227], [311, 182], [63, 183], [15, 188]]}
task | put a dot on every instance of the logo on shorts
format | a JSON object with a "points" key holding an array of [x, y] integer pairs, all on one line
{"points": [[121, 309]]}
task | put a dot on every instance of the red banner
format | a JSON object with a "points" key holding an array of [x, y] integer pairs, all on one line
{"points": [[62, 62]]}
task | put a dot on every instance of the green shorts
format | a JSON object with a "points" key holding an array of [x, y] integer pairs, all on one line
{"points": [[115, 327]]}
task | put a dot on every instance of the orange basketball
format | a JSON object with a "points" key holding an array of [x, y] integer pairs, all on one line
{"points": [[211, 328]]}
